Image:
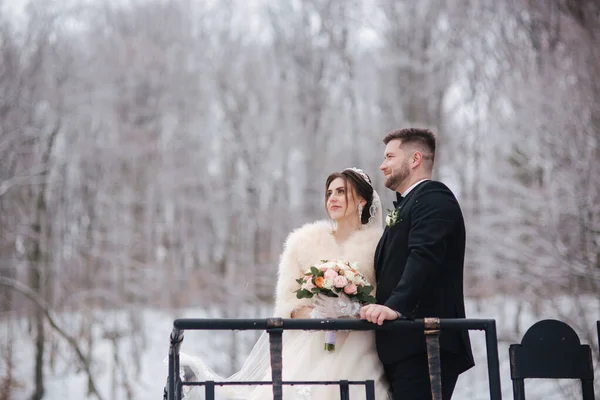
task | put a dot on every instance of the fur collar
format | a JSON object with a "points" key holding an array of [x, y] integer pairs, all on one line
{"points": [[314, 242], [309, 245]]}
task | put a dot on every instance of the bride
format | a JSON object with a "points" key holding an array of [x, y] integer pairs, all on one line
{"points": [[352, 233]]}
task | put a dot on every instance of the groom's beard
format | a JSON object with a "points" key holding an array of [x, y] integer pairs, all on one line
{"points": [[397, 177]]}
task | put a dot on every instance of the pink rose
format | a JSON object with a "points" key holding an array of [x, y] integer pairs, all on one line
{"points": [[323, 268], [350, 289], [330, 274], [340, 281]]}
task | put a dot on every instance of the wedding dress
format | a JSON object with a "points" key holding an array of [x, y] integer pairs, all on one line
{"points": [[304, 358]]}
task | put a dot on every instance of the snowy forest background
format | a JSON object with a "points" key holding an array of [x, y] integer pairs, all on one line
{"points": [[155, 154]]}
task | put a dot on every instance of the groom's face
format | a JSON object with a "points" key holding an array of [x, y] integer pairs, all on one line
{"points": [[395, 165]]}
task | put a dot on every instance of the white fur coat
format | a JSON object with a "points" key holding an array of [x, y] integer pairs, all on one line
{"points": [[314, 242]]}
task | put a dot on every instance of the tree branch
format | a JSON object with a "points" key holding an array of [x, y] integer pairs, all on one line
{"points": [[31, 295]]}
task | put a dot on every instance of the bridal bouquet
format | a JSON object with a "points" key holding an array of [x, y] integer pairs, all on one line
{"points": [[335, 279]]}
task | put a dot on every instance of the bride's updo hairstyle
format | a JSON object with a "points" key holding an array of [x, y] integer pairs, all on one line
{"points": [[361, 185]]}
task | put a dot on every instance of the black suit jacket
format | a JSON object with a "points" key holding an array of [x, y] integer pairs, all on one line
{"points": [[419, 268]]}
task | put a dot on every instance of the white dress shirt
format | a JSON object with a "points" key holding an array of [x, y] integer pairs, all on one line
{"points": [[407, 191]]}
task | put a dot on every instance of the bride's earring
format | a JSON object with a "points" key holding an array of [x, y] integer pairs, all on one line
{"points": [[360, 210]]}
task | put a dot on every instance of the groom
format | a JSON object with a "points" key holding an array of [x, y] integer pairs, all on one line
{"points": [[419, 268]]}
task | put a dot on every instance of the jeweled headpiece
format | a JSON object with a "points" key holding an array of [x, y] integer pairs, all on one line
{"points": [[375, 209], [361, 173]]}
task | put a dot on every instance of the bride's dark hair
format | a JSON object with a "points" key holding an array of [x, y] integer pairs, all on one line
{"points": [[360, 186]]}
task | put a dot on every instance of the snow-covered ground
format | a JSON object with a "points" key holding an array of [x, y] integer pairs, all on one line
{"points": [[63, 382]]}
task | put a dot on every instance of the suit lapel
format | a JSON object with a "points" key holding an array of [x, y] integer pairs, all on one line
{"points": [[402, 205], [379, 248], [408, 201]]}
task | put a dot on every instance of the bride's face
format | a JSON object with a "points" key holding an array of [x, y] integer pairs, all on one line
{"points": [[341, 200]]}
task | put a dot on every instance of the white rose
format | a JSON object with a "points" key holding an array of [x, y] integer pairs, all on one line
{"points": [[342, 267], [328, 283], [328, 265], [388, 220], [349, 275]]}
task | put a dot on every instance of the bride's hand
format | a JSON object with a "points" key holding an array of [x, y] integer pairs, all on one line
{"points": [[303, 312], [336, 307]]}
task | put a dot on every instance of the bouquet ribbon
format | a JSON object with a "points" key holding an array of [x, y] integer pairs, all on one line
{"points": [[330, 340]]}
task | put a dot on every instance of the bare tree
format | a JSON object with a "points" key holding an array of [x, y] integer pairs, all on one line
{"points": [[156, 154]]}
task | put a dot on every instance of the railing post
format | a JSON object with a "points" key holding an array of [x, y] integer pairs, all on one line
{"points": [[176, 339], [209, 390], [432, 337], [519, 390], [275, 331], [491, 344], [344, 390], [370, 389]]}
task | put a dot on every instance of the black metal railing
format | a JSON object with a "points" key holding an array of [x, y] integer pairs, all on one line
{"points": [[209, 386], [275, 328], [551, 349]]}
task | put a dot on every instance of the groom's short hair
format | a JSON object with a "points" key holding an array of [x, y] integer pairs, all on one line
{"points": [[421, 137]]}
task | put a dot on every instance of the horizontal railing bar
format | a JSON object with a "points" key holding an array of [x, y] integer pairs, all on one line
{"points": [[290, 383], [323, 324]]}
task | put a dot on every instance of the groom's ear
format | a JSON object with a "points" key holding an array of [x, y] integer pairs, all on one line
{"points": [[416, 158]]}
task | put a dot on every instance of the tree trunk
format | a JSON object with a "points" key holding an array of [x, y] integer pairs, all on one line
{"points": [[38, 263]]}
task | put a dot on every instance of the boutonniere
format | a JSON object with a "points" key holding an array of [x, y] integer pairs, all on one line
{"points": [[393, 217]]}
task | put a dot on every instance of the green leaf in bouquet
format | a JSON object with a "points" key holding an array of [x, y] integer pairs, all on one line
{"points": [[370, 299], [303, 294], [365, 289], [365, 298], [315, 271]]}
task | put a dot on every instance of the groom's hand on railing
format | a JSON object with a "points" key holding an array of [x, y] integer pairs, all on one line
{"points": [[376, 313]]}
